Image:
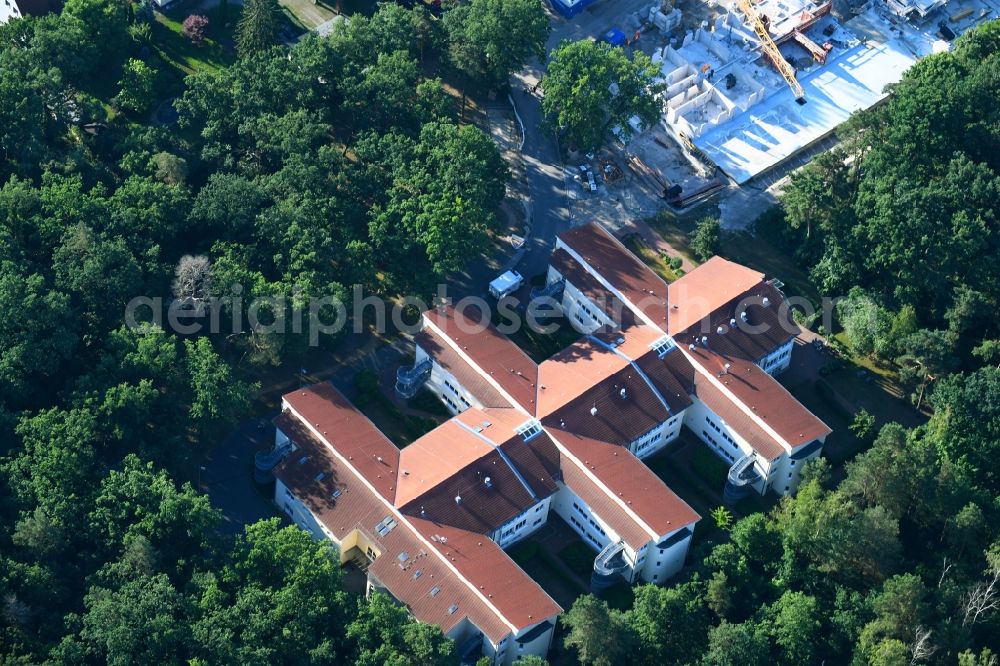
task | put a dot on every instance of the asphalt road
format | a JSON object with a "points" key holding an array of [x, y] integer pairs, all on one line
{"points": [[546, 180]]}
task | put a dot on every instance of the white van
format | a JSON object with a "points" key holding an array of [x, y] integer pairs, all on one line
{"points": [[506, 284]]}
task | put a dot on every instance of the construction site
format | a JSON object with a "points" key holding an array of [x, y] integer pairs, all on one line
{"points": [[749, 86]]}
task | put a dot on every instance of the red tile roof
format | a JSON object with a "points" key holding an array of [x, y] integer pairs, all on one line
{"points": [[606, 256], [672, 375], [621, 489], [618, 419], [765, 328], [435, 457], [495, 354], [436, 347], [706, 289], [492, 592], [757, 396], [592, 288], [491, 571], [573, 371], [493, 489], [333, 417], [355, 506]]}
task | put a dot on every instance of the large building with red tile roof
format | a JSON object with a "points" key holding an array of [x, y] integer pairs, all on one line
{"points": [[567, 436]]}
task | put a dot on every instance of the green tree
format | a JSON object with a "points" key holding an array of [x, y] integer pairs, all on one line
{"points": [[141, 502], [599, 635], [723, 517], [55, 469], [670, 623], [757, 539], [867, 324], [795, 622], [38, 333], [384, 633], [100, 275], [169, 168], [105, 23], [137, 86], [277, 598], [966, 424], [591, 87], [863, 425], [491, 39], [257, 29], [141, 621], [391, 28], [743, 644], [32, 113], [706, 241], [383, 94], [819, 194], [927, 356], [217, 394], [440, 198]]}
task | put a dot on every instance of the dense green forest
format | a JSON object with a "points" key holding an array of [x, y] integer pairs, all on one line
{"points": [[292, 172], [895, 561], [301, 171], [903, 219]]}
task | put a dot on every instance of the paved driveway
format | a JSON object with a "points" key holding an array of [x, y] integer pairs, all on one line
{"points": [[226, 474]]}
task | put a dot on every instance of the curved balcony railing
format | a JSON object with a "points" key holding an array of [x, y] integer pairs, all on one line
{"points": [[739, 482], [608, 565], [553, 290], [409, 380]]}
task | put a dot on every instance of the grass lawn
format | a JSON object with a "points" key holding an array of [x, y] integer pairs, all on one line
{"points": [[426, 401], [307, 14], [710, 467], [213, 54], [579, 557], [401, 429], [653, 259], [676, 231], [541, 346], [546, 572], [760, 254], [743, 247]]}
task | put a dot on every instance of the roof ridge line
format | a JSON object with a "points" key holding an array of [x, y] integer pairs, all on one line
{"points": [[641, 372], [614, 290], [739, 403], [503, 456], [615, 498], [482, 373], [401, 517]]}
